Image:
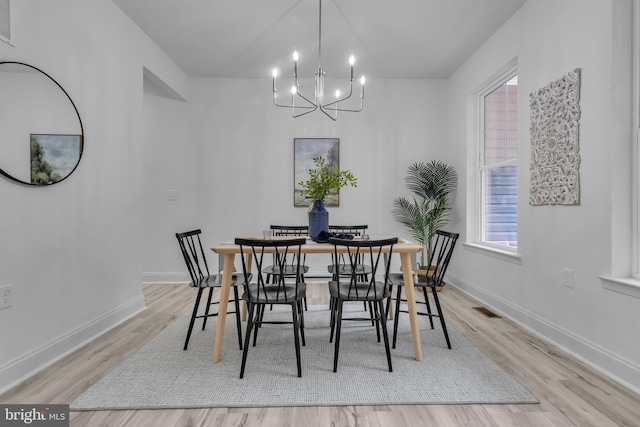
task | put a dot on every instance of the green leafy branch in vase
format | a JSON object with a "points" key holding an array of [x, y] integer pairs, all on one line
{"points": [[324, 179]]}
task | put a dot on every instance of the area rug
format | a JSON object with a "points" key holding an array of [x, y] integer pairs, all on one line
{"points": [[162, 375]]}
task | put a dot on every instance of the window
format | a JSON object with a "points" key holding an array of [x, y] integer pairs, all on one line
{"points": [[498, 156], [624, 277]]}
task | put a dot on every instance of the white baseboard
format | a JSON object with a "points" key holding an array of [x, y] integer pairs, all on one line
{"points": [[604, 361], [18, 370]]}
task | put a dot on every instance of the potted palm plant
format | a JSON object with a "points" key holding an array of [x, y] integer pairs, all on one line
{"points": [[431, 183], [325, 179]]}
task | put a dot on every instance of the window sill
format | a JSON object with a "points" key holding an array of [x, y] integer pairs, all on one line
{"points": [[624, 285], [494, 252]]}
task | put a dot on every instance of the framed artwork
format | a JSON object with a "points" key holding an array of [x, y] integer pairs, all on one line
{"points": [[53, 157], [304, 151]]}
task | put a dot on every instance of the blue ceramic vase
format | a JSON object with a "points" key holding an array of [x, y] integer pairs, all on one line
{"points": [[318, 219]]}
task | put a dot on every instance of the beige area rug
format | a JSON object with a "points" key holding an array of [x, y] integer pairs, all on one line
{"points": [[162, 375]]}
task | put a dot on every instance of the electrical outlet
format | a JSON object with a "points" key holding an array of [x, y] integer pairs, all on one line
{"points": [[174, 195], [568, 278], [6, 296]]}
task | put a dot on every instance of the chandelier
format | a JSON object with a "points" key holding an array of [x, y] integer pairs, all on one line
{"points": [[305, 105]]}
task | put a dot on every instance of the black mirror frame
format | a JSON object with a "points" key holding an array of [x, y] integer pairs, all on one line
{"points": [[12, 178]]}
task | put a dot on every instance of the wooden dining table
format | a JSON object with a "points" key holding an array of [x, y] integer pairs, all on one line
{"points": [[404, 248]]}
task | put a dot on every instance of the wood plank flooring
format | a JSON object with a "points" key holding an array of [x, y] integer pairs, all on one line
{"points": [[570, 393]]}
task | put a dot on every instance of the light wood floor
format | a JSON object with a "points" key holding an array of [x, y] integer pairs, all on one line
{"points": [[571, 394]]}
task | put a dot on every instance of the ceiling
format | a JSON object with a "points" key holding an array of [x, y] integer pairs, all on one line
{"points": [[389, 38]]}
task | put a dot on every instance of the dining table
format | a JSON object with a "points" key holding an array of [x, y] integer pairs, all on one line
{"points": [[404, 248]]}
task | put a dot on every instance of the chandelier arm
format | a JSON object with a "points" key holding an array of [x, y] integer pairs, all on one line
{"points": [[328, 114], [297, 107], [341, 99], [295, 116], [291, 105], [312, 106], [348, 110], [310, 109], [315, 104]]}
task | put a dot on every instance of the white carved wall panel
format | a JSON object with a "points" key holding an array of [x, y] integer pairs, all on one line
{"points": [[555, 158]]}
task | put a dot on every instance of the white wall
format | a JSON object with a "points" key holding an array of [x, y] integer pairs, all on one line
{"points": [[171, 162], [73, 251], [551, 38], [239, 153]]}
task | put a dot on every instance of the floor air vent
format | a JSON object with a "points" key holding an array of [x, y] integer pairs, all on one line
{"points": [[486, 311]]}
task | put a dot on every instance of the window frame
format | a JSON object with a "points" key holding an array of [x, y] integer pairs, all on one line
{"points": [[624, 276], [635, 199], [500, 79]]}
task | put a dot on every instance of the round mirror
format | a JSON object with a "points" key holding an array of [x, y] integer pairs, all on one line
{"points": [[41, 134]]}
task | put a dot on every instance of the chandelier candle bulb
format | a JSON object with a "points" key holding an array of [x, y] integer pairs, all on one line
{"points": [[352, 60]]}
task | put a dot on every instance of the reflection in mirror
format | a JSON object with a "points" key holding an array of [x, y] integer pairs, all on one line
{"points": [[41, 134]]}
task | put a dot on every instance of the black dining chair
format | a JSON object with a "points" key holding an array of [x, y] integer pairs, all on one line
{"points": [[353, 230], [350, 231], [287, 231], [201, 278], [438, 261], [286, 288], [353, 287], [272, 270], [347, 231]]}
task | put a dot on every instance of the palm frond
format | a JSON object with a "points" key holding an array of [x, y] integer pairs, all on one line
{"points": [[411, 215], [431, 184], [432, 180]]}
